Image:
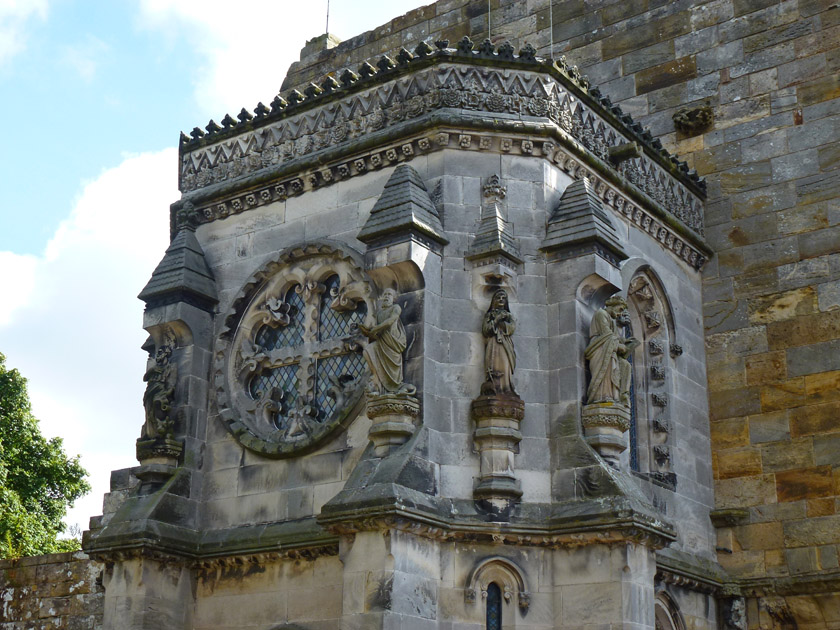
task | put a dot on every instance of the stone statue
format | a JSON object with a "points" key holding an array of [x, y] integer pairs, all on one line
{"points": [[384, 351], [160, 394], [499, 355], [608, 353]]}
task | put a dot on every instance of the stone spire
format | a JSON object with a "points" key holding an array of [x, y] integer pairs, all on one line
{"points": [[403, 207], [580, 225], [494, 235], [182, 275]]}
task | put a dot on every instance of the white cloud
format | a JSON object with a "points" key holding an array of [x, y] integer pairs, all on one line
{"points": [[76, 334], [248, 47], [14, 17], [84, 58]]}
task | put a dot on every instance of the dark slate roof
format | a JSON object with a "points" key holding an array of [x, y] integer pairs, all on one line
{"points": [[404, 205], [579, 219], [182, 275], [494, 236]]}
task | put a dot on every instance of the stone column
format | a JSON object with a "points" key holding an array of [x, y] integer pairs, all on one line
{"points": [[496, 436], [605, 426], [392, 417]]}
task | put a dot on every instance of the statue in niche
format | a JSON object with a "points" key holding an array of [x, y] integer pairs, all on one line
{"points": [[499, 355], [608, 353], [159, 396], [383, 353]]}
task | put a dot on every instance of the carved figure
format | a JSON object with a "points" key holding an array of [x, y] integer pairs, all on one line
{"points": [[607, 354], [159, 396], [384, 351], [499, 354]]}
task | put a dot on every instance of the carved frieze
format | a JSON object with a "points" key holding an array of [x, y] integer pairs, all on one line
{"points": [[447, 86]]}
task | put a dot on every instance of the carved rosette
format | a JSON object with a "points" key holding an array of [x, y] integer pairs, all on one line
{"points": [[392, 420], [605, 425], [289, 367]]}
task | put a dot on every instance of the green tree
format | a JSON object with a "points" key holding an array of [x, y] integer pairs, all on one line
{"points": [[37, 479]]}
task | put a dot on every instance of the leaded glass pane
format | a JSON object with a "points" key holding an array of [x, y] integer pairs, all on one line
{"points": [[335, 371], [271, 338], [283, 378], [335, 323], [494, 607]]}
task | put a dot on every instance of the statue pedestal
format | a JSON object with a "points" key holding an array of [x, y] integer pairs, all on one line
{"points": [[605, 425], [392, 417], [496, 436], [158, 458]]}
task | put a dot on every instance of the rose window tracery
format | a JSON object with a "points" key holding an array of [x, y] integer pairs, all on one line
{"points": [[291, 360]]}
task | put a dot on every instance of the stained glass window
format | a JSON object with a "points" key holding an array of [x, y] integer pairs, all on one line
{"points": [[494, 607]]}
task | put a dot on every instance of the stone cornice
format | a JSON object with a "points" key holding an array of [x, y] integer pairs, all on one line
{"points": [[424, 56], [622, 194]]}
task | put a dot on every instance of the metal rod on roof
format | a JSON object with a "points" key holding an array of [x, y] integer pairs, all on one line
{"points": [[551, 29], [328, 17], [488, 19]]}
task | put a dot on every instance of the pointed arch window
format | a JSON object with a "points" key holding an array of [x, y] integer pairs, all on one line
{"points": [[652, 323]]}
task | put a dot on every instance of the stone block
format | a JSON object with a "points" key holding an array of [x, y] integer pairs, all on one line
{"points": [[782, 306], [761, 201], [808, 483], [803, 560], [726, 372], [736, 462], [795, 454], [803, 219], [647, 57], [819, 90], [783, 394], [758, 536], [804, 272], [769, 427], [759, 21], [818, 357], [765, 368], [773, 36], [712, 13], [666, 74], [744, 564], [819, 243], [730, 433], [695, 41], [819, 507], [643, 29], [735, 403], [827, 449], [824, 530], [746, 177], [802, 70], [804, 330], [823, 387], [815, 420], [743, 342]]}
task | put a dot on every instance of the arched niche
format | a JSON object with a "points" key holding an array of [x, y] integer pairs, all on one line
{"points": [[508, 577], [666, 613], [652, 323]]}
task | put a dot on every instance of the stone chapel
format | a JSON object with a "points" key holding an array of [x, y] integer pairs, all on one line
{"points": [[452, 335]]}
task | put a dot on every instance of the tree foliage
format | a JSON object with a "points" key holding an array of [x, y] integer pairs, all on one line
{"points": [[37, 480]]}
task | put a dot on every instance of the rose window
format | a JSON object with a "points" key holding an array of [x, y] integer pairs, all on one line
{"points": [[293, 366]]}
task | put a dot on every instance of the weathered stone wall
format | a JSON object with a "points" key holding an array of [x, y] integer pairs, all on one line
{"points": [[62, 590], [769, 71]]}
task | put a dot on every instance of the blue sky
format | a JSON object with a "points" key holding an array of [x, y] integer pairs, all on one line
{"points": [[94, 96]]}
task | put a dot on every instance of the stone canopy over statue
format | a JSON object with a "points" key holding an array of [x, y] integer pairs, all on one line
{"points": [[608, 352]]}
